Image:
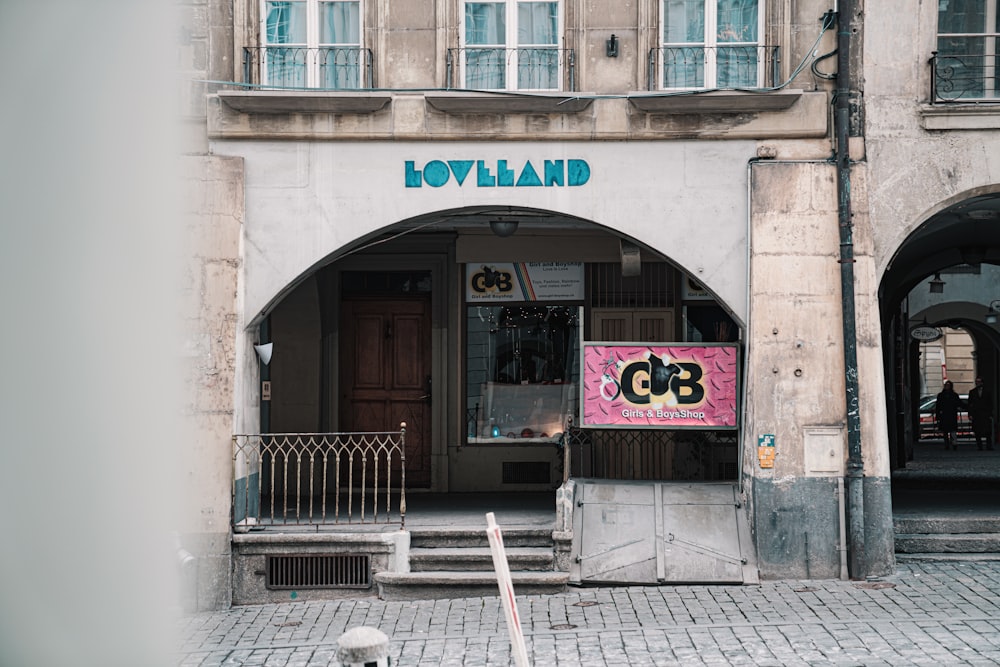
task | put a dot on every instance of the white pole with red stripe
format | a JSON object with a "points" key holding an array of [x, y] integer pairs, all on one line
{"points": [[506, 586]]}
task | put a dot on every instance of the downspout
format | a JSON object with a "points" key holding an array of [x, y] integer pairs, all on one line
{"points": [[855, 464]]}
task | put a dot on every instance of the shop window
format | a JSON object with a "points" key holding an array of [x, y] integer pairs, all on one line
{"points": [[522, 371]]}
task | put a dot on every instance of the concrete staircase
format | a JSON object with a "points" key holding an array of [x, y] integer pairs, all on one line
{"points": [[456, 562], [945, 537], [950, 517]]}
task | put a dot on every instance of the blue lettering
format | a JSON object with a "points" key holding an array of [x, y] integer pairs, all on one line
{"points": [[554, 173], [528, 177], [436, 173], [505, 176], [484, 178], [413, 178], [579, 172], [461, 169]]}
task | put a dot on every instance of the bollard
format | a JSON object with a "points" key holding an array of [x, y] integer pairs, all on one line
{"points": [[363, 647]]}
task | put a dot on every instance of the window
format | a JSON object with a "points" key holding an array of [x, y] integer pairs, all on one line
{"points": [[511, 45], [967, 65], [711, 44], [312, 44], [522, 371]]}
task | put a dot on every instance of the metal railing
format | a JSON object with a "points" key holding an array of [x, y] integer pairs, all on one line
{"points": [[710, 67], [491, 68], [965, 77], [318, 479], [650, 454], [324, 68]]}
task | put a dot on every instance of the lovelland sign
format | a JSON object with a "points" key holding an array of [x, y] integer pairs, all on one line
{"points": [[497, 173]]}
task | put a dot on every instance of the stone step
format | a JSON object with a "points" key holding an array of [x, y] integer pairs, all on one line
{"points": [[947, 557], [947, 543], [463, 536], [423, 559], [444, 585], [925, 524]]}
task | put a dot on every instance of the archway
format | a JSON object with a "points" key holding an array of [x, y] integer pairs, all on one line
{"points": [[944, 275], [604, 286]]}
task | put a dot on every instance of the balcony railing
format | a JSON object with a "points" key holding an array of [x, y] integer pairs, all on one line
{"points": [[965, 78], [326, 68], [525, 68], [319, 479], [703, 67]]}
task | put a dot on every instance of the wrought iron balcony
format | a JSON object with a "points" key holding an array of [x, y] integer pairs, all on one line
{"points": [[705, 68], [972, 77], [325, 68], [524, 68]]}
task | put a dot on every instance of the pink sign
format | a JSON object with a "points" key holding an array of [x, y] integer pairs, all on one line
{"points": [[660, 385]]}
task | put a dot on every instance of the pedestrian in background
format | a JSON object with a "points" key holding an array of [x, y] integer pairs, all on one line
{"points": [[981, 414], [946, 410]]}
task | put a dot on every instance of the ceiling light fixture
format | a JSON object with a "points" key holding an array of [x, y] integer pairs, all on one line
{"points": [[503, 228]]}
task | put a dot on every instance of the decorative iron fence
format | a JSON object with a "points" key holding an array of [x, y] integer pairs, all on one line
{"points": [[317, 479], [651, 454], [972, 77], [526, 68], [325, 68], [710, 67]]}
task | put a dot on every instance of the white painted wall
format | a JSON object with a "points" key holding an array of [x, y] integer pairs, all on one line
{"points": [[305, 201]]}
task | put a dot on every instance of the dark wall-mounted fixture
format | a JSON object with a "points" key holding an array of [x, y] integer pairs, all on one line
{"points": [[612, 47], [503, 228], [993, 312], [936, 285]]}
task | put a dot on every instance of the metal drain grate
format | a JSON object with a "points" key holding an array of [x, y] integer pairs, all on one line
{"points": [[319, 571], [526, 472]]}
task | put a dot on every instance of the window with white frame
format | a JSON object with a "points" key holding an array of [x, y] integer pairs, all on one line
{"points": [[312, 44], [967, 65], [711, 44], [511, 45]]}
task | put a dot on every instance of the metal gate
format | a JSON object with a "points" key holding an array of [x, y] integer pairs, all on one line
{"points": [[660, 532]]}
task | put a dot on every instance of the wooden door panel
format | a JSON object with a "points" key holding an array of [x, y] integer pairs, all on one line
{"points": [[386, 366], [369, 366], [409, 347]]}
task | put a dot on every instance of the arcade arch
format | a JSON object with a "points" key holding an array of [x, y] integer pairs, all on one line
{"points": [[387, 329], [942, 278]]}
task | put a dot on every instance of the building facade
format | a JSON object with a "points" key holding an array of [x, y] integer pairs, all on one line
{"points": [[434, 213]]}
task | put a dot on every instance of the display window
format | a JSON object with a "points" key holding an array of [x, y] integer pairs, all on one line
{"points": [[522, 371]]}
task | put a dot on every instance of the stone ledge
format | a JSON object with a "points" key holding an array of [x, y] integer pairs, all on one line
{"points": [[298, 101], [961, 116], [465, 102], [721, 101]]}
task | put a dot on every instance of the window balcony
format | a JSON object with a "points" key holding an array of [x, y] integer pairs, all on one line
{"points": [[696, 67], [536, 68], [299, 67], [965, 78]]}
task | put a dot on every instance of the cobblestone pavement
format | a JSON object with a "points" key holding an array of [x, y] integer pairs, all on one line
{"points": [[928, 613]]}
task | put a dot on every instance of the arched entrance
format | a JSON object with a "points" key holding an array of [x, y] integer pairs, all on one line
{"points": [[937, 299], [471, 334]]}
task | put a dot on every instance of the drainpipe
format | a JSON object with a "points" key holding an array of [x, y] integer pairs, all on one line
{"points": [[855, 465]]}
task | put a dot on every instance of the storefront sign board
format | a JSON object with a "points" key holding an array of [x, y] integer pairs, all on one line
{"points": [[670, 386], [524, 281]]}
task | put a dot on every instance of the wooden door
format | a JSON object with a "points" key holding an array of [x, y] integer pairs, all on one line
{"points": [[385, 376], [633, 325]]}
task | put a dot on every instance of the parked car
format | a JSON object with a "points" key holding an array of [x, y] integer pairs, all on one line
{"points": [[928, 422]]}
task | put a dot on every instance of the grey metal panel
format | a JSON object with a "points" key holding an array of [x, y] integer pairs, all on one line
{"points": [[653, 532], [617, 534]]}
